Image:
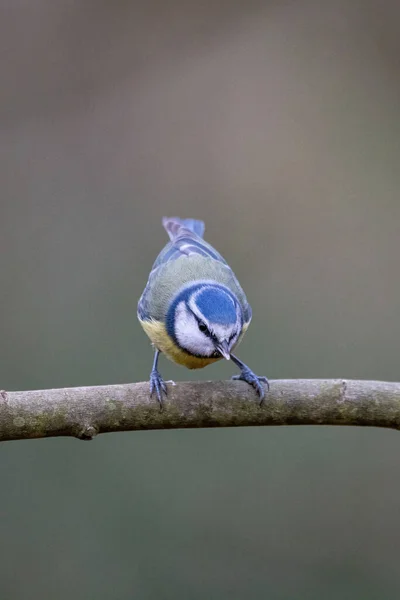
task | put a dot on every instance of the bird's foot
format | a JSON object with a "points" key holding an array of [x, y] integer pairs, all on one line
{"points": [[254, 380], [157, 386]]}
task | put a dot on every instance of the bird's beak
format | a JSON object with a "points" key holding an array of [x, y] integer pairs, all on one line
{"points": [[223, 349]]}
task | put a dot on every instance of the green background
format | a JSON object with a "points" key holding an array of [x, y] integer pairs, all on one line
{"points": [[278, 123]]}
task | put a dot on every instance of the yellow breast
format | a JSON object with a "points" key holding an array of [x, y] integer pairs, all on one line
{"points": [[157, 333]]}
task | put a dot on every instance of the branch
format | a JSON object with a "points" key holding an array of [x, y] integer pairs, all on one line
{"points": [[84, 412]]}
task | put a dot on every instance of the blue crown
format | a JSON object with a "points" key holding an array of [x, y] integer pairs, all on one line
{"points": [[216, 305]]}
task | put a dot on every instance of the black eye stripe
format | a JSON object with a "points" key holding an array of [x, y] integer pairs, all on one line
{"points": [[204, 329]]}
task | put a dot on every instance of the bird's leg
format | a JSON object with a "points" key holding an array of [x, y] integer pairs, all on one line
{"points": [[157, 383], [246, 374]]}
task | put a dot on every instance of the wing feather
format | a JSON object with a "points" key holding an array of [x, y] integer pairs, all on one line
{"points": [[186, 240]]}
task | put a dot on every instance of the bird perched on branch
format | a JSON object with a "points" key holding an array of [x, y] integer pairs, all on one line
{"points": [[193, 308]]}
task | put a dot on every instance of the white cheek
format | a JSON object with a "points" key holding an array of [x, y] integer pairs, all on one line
{"points": [[222, 332], [188, 334], [233, 341], [225, 332]]}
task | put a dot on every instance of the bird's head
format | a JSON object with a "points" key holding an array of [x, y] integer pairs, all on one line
{"points": [[206, 320]]}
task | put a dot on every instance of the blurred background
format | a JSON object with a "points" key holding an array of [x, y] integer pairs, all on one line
{"points": [[278, 123]]}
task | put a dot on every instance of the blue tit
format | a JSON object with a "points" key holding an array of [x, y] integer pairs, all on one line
{"points": [[193, 308]]}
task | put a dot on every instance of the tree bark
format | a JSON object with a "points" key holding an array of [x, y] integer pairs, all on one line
{"points": [[84, 412]]}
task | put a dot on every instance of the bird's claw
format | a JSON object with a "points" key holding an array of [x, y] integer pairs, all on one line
{"points": [[157, 385], [254, 380]]}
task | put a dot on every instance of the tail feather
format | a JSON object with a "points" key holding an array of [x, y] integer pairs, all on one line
{"points": [[174, 225]]}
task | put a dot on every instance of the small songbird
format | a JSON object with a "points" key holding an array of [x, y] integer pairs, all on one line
{"points": [[193, 308]]}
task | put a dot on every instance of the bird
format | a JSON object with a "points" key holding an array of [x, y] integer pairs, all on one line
{"points": [[193, 308]]}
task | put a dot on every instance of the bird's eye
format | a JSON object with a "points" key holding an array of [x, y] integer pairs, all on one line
{"points": [[203, 327]]}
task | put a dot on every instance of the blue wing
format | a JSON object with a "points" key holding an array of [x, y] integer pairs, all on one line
{"points": [[186, 240]]}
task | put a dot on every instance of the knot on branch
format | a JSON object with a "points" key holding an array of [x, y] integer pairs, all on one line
{"points": [[88, 432]]}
